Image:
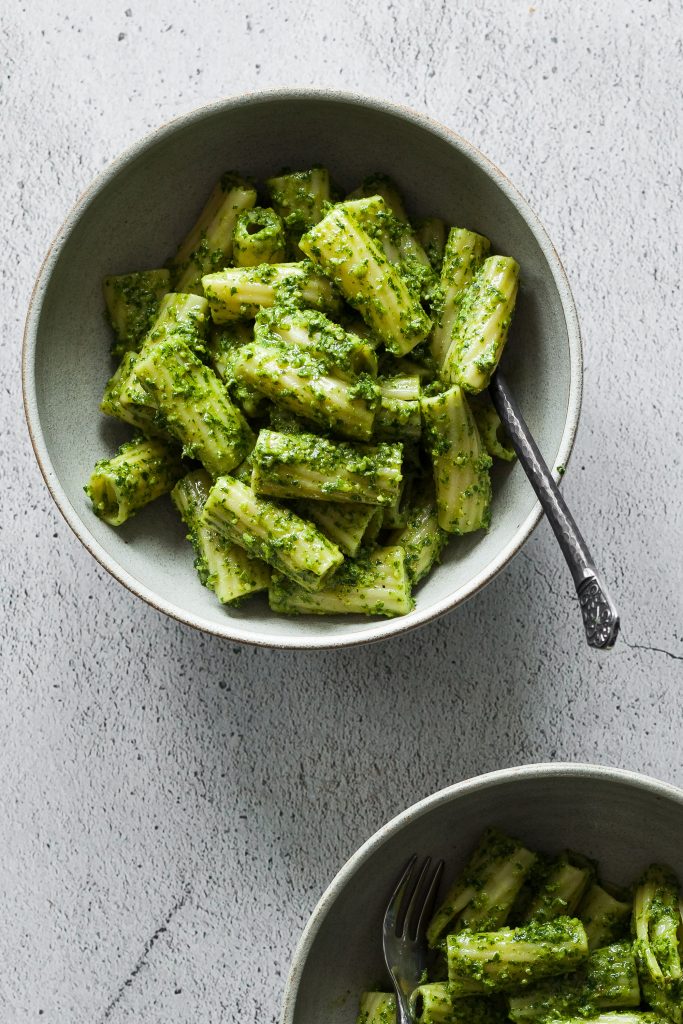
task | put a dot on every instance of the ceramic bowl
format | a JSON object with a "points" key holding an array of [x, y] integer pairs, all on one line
{"points": [[132, 217], [625, 821]]}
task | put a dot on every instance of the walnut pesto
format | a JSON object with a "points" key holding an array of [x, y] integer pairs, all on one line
{"points": [[298, 372]]}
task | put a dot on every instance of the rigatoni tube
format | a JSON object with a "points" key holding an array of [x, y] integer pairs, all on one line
{"points": [[463, 256], [491, 430], [563, 885], [346, 526], [299, 197], [192, 405], [605, 916], [481, 329], [291, 378], [483, 893], [461, 465], [271, 532], [367, 280], [396, 239], [312, 467], [608, 980], [431, 234], [514, 957], [259, 237], [183, 316], [224, 345], [436, 1003], [377, 1008], [615, 1017], [132, 302], [222, 566], [308, 329], [141, 471], [180, 316], [398, 417], [208, 246], [379, 184], [140, 413], [421, 538], [237, 293], [657, 925], [374, 584]]}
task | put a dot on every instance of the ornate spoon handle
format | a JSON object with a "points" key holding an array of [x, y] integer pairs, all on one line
{"points": [[600, 616]]}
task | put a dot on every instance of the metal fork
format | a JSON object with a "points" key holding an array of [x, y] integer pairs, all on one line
{"points": [[405, 925], [600, 616]]}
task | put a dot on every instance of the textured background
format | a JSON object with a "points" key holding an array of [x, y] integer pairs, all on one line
{"points": [[172, 806]]}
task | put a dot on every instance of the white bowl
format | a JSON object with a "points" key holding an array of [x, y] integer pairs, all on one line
{"points": [[625, 821], [132, 217]]}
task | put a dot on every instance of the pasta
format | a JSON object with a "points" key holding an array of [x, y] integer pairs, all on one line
{"points": [[525, 938], [307, 379]]}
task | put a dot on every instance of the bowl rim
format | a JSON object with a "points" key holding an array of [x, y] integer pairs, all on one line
{"points": [[240, 631], [478, 783]]}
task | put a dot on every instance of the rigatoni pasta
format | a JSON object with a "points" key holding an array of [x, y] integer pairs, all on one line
{"points": [[307, 377], [527, 938]]}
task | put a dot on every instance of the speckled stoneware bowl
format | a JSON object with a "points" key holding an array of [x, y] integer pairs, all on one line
{"points": [[624, 820], [132, 217]]}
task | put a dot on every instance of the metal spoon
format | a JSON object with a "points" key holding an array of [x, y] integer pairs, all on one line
{"points": [[600, 616]]}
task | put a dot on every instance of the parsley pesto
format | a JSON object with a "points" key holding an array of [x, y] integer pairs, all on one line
{"points": [[527, 938], [306, 376]]}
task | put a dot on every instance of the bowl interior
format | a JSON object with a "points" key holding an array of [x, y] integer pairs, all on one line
{"points": [[134, 219], [624, 825]]}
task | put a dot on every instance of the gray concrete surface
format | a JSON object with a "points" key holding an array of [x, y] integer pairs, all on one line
{"points": [[171, 806]]}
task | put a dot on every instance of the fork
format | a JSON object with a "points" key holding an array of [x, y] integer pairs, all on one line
{"points": [[600, 616], [404, 929]]}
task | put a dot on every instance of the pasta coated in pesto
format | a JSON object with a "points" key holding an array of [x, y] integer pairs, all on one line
{"points": [[141, 471], [508, 945], [297, 375]]}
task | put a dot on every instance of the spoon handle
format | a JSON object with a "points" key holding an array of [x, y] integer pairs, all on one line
{"points": [[600, 616]]}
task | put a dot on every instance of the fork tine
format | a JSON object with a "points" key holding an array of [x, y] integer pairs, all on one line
{"points": [[394, 905], [414, 901], [429, 900]]}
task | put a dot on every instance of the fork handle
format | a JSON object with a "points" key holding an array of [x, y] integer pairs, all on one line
{"points": [[600, 616], [403, 1015]]}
